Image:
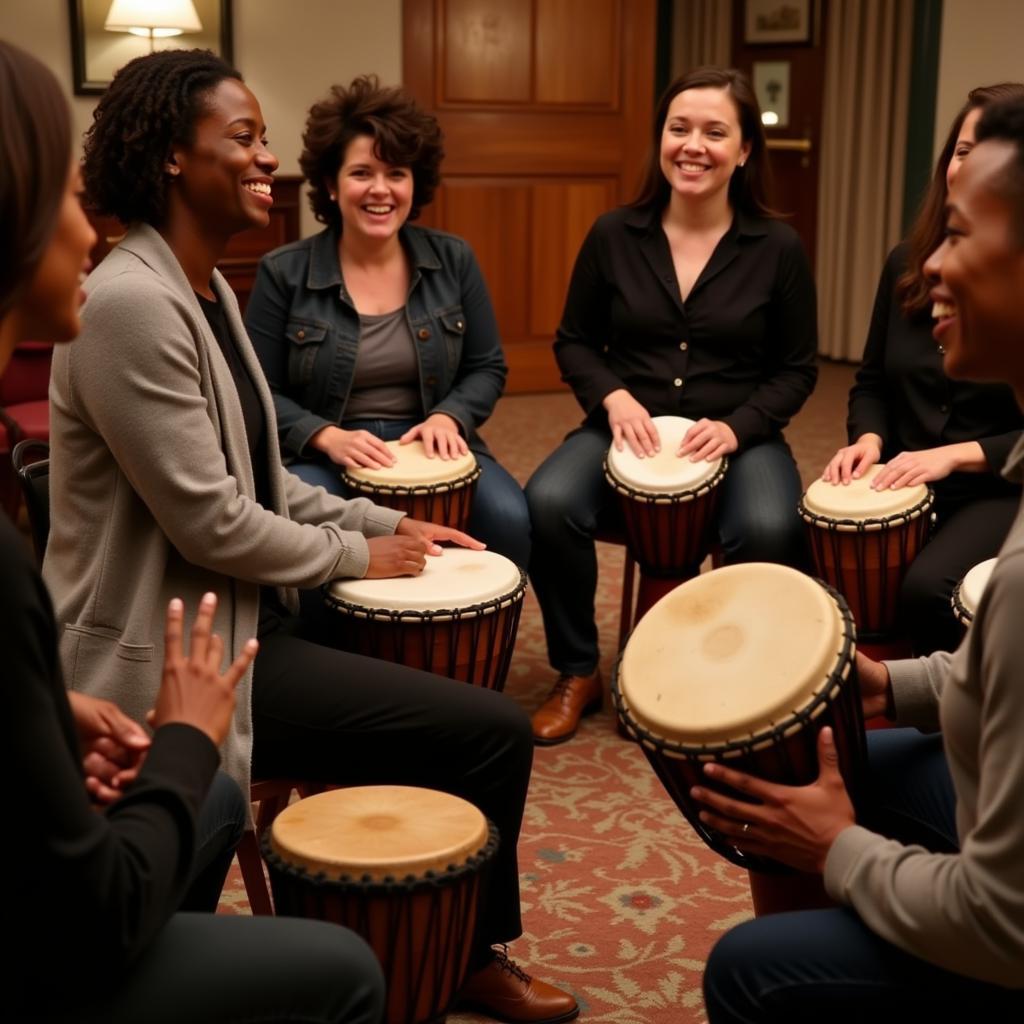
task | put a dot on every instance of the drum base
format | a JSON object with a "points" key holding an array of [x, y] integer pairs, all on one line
{"points": [[777, 894]]}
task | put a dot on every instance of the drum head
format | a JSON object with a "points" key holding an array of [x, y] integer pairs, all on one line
{"points": [[731, 653], [666, 472], [858, 502], [457, 578], [974, 583], [378, 831], [413, 468]]}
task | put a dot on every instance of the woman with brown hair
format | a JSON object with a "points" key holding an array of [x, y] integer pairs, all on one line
{"points": [[115, 832], [377, 329], [928, 428], [691, 301]]}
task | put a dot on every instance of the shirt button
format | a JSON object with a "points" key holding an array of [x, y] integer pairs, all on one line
{"points": [[678, 382], [300, 335], [459, 324], [683, 346], [423, 333], [944, 409]]}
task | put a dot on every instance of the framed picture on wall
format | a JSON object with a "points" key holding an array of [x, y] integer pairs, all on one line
{"points": [[773, 22], [106, 34]]}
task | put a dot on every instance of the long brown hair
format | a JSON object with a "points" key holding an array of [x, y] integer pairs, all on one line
{"points": [[924, 236], [35, 154], [750, 184]]}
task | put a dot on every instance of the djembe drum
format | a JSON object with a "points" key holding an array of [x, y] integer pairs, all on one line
{"points": [[864, 541], [433, 490], [402, 867], [743, 666], [668, 505], [458, 618], [967, 593]]}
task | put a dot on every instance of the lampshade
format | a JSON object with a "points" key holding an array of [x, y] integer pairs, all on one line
{"points": [[156, 17]]}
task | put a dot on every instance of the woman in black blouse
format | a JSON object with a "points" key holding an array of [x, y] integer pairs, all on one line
{"points": [[905, 411], [109, 841], [691, 301]]}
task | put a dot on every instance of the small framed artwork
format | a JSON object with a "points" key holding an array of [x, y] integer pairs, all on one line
{"points": [[777, 22], [106, 34], [771, 86]]}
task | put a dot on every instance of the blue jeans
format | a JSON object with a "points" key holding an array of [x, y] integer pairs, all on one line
{"points": [[499, 518], [570, 500], [827, 965]]}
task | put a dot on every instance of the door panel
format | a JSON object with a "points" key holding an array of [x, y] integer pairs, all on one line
{"points": [[546, 108]]}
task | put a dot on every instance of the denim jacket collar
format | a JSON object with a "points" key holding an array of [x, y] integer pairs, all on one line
{"points": [[325, 270]]}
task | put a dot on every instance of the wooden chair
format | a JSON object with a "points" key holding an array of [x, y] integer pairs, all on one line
{"points": [[24, 411]]}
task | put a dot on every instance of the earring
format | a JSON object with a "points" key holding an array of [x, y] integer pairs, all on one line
{"points": [[172, 170], [334, 196]]}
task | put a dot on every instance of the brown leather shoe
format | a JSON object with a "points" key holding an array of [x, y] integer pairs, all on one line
{"points": [[504, 991], [572, 697]]}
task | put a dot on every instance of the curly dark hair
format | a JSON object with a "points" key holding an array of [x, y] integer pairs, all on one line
{"points": [[403, 136], [35, 155], [750, 184], [913, 287], [152, 104], [1004, 121]]}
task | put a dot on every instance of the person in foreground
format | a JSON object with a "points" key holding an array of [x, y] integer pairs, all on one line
{"points": [[166, 480], [932, 925], [375, 329], [691, 301], [110, 842], [953, 434]]}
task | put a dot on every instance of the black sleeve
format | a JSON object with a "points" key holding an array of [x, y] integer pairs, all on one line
{"points": [[585, 328], [997, 448], [868, 413], [90, 889]]}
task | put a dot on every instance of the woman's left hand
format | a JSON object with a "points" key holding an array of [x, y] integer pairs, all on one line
{"points": [[440, 436], [708, 439], [908, 469], [796, 825], [431, 533], [113, 746]]}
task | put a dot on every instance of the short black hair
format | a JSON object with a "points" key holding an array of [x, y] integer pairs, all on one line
{"points": [[1004, 121], [152, 104], [404, 135]]}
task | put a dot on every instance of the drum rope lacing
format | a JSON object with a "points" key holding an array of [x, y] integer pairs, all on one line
{"points": [[414, 490]]}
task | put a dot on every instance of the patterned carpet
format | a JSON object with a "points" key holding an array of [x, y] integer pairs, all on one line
{"points": [[621, 901]]}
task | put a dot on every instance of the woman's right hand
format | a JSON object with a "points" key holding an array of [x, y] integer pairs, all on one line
{"points": [[853, 461], [631, 423], [352, 448], [875, 687], [397, 555], [193, 689]]}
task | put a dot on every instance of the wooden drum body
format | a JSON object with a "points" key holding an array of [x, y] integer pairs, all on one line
{"points": [[968, 592], [433, 490], [864, 541], [458, 618], [742, 665], [402, 867]]}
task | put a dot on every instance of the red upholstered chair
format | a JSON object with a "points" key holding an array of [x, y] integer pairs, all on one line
{"points": [[24, 411]]}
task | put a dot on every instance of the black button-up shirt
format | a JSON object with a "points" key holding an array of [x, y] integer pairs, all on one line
{"points": [[741, 348], [903, 394]]}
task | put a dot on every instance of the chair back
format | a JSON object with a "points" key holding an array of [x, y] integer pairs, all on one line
{"points": [[31, 462]]}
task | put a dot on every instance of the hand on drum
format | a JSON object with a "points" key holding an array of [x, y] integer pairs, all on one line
{"points": [[796, 825], [631, 424], [113, 746], [352, 448], [440, 436], [908, 469], [853, 461], [708, 440], [429, 534], [193, 690]]}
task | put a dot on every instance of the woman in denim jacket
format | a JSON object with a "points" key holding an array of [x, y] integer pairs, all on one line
{"points": [[376, 330]]}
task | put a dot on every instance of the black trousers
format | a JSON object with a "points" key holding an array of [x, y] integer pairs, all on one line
{"points": [[968, 531], [330, 716]]}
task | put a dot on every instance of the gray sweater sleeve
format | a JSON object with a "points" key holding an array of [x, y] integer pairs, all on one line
{"points": [[135, 379], [964, 911]]}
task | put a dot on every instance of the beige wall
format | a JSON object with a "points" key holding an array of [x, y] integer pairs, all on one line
{"points": [[981, 45], [288, 53]]}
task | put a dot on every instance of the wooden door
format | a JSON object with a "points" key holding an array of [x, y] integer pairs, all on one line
{"points": [[795, 148], [546, 108]]}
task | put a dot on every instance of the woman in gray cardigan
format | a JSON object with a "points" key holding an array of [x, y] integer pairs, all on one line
{"points": [[166, 481]]}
